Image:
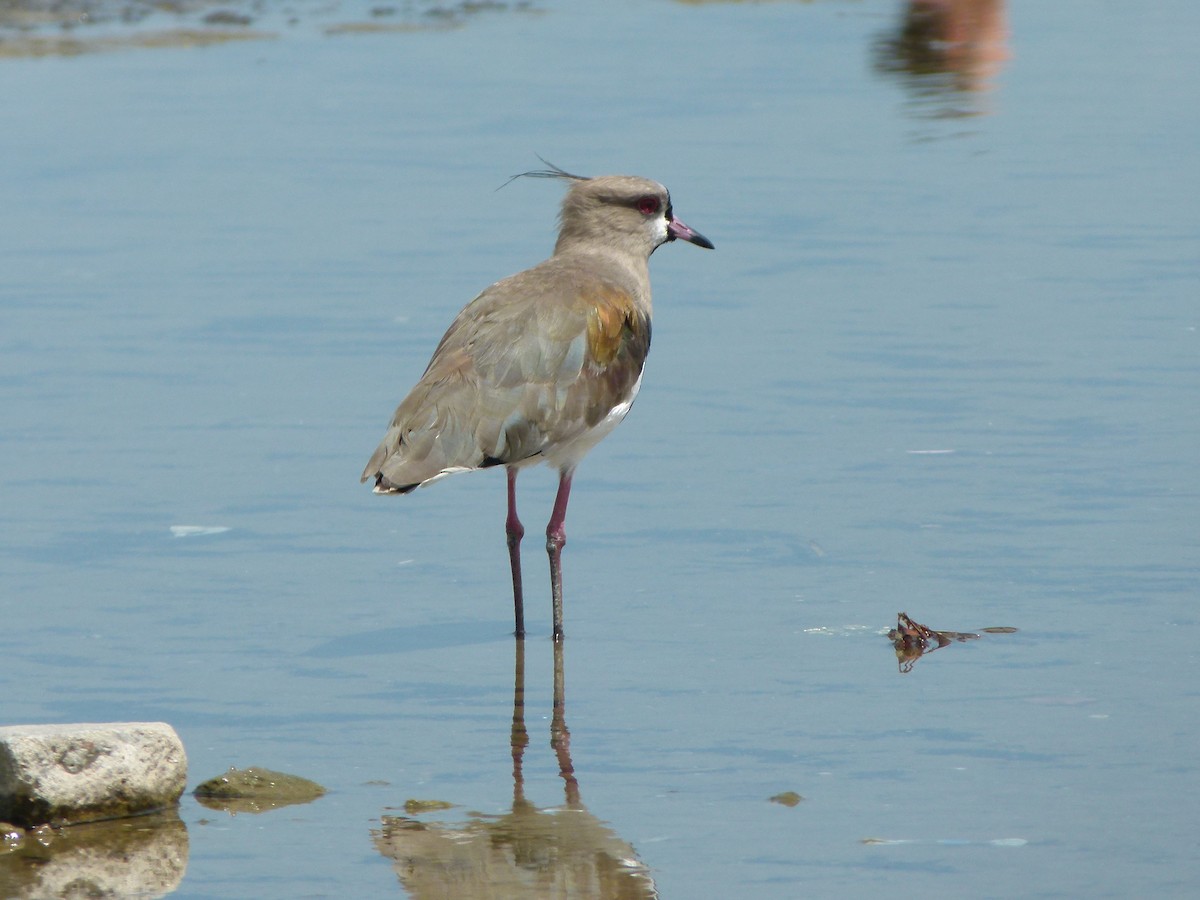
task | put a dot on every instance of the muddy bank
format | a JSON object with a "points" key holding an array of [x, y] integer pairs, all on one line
{"points": [[72, 27]]}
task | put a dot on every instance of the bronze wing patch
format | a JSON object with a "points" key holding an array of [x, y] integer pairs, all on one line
{"points": [[613, 321]]}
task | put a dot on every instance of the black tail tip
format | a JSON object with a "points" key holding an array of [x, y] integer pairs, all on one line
{"points": [[383, 486]]}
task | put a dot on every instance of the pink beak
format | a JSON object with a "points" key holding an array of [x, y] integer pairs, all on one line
{"points": [[676, 230]]}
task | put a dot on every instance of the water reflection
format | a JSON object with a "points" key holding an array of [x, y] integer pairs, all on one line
{"points": [[946, 53], [531, 852], [143, 856]]}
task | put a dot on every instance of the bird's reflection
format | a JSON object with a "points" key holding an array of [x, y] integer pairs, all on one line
{"points": [[561, 852], [946, 52]]}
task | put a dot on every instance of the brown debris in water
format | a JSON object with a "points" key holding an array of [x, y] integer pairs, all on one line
{"points": [[912, 640]]}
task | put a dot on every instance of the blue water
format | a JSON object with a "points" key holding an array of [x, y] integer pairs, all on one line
{"points": [[943, 360]]}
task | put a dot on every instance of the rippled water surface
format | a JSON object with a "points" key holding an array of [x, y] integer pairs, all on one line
{"points": [[944, 360]]}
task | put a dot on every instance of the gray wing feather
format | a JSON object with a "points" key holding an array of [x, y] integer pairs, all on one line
{"points": [[516, 372]]}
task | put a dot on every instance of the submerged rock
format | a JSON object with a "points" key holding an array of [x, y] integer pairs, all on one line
{"points": [[416, 807], [256, 790]]}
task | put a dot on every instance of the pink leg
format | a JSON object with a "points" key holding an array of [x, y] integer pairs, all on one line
{"points": [[556, 536], [515, 531]]}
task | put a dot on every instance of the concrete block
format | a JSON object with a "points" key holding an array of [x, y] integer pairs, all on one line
{"points": [[66, 774]]}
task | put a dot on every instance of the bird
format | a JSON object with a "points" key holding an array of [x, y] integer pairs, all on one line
{"points": [[541, 365]]}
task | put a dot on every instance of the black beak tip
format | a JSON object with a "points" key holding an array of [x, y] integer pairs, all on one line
{"points": [[677, 231]]}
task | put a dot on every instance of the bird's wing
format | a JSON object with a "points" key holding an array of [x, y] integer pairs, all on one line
{"points": [[519, 371]]}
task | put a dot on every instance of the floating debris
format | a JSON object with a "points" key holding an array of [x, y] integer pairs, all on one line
{"points": [[912, 640], [787, 798]]}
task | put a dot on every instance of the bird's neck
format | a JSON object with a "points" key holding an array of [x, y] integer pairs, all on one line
{"points": [[635, 263]]}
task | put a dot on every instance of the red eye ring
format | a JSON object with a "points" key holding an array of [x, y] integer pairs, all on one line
{"points": [[648, 206]]}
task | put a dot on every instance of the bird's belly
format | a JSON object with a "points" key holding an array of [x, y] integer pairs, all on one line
{"points": [[566, 455]]}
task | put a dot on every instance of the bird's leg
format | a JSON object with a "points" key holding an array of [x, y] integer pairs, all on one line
{"points": [[515, 531], [556, 536]]}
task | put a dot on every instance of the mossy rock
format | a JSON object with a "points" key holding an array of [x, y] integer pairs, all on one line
{"points": [[255, 789]]}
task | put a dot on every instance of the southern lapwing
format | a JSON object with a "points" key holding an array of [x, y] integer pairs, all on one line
{"points": [[542, 365]]}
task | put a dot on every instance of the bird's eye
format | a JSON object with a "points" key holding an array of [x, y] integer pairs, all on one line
{"points": [[648, 206]]}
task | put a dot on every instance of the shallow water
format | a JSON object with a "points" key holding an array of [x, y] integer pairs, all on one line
{"points": [[943, 360]]}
